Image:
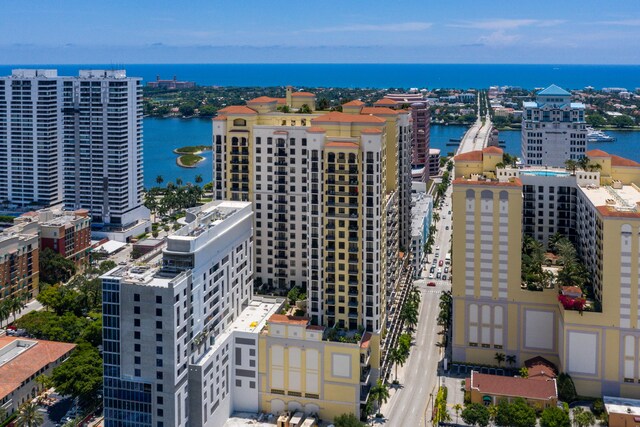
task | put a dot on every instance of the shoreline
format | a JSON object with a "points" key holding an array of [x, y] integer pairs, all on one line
{"points": [[182, 165]]}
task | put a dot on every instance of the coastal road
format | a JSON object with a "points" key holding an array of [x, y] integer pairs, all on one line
{"points": [[477, 136], [410, 405]]}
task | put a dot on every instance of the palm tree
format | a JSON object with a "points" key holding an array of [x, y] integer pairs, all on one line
{"points": [[571, 165], [583, 163], [29, 416], [5, 311], [159, 179], [499, 357], [594, 167], [379, 393], [457, 408], [16, 304], [397, 357], [511, 359], [198, 179], [178, 182]]}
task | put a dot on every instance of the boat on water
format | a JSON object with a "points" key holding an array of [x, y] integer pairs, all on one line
{"points": [[594, 135]]}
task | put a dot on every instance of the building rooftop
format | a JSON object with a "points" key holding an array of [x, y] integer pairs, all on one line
{"points": [[514, 386], [420, 203], [207, 216], [620, 405], [22, 358], [254, 317], [554, 90], [609, 200], [337, 117]]}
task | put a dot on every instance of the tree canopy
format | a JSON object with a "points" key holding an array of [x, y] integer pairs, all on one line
{"points": [[347, 420], [554, 417], [476, 414], [54, 268], [80, 376]]}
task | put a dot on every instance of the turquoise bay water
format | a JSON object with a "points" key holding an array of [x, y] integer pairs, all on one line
{"points": [[161, 136]]}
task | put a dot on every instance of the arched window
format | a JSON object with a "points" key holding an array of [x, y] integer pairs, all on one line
{"points": [[239, 122]]}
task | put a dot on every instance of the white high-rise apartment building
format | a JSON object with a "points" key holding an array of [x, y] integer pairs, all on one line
{"points": [[181, 340], [77, 141], [553, 129], [30, 127]]}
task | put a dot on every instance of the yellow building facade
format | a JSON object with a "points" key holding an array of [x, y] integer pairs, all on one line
{"points": [[494, 313]]}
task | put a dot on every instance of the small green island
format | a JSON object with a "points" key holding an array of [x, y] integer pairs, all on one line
{"points": [[188, 156]]}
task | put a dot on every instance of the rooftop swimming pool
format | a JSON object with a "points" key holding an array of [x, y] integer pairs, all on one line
{"points": [[544, 173]]}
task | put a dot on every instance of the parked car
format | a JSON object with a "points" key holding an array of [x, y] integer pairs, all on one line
{"points": [[447, 227], [432, 270], [438, 276], [444, 277], [446, 269], [431, 276], [440, 263], [431, 284]]}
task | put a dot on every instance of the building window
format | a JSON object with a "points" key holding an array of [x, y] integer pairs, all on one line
{"points": [[136, 297]]}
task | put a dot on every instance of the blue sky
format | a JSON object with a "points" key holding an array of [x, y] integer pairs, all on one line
{"points": [[238, 31]]}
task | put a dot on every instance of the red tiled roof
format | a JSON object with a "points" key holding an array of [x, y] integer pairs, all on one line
{"points": [[540, 368], [237, 109], [19, 369], [492, 150], [220, 118], [306, 94], [316, 129], [262, 100], [343, 144], [354, 103], [471, 156], [384, 111], [291, 320], [621, 161], [371, 130], [315, 328], [385, 101], [597, 153], [498, 385], [337, 117]]}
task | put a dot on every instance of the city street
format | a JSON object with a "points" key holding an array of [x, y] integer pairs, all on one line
{"points": [[410, 402]]}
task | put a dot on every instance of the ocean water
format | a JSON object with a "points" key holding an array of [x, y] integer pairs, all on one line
{"points": [[377, 75]]}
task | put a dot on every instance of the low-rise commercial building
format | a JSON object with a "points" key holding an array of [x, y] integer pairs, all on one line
{"points": [[622, 412], [19, 255], [22, 360], [488, 389]]}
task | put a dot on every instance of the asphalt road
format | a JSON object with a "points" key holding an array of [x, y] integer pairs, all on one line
{"points": [[410, 405]]}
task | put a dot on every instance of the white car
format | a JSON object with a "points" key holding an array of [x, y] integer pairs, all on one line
{"points": [[431, 276]]}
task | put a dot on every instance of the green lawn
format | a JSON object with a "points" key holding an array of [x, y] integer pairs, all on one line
{"points": [[192, 149], [189, 159]]}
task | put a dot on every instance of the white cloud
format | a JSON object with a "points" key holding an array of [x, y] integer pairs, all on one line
{"points": [[507, 24], [499, 38], [398, 27]]}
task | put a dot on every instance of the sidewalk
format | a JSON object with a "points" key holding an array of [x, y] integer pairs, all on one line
{"points": [[31, 306]]}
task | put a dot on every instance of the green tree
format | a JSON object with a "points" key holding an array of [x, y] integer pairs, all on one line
{"points": [[566, 388], [293, 295], [207, 110], [58, 298], [522, 415], [198, 179], [187, 109], [622, 121], [554, 417], [571, 165], [48, 326], [511, 359], [596, 120], [457, 408], [305, 109], [379, 393], [159, 179], [55, 268], [476, 414], [397, 357], [80, 376], [499, 358], [347, 420], [5, 311], [29, 416], [582, 418], [15, 304]]}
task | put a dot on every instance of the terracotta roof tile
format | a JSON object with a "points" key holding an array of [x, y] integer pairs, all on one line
{"points": [[337, 117], [383, 111], [514, 387], [291, 320], [470, 156], [305, 94], [220, 118], [237, 109], [372, 130], [597, 153], [540, 368], [354, 103], [385, 101], [19, 369], [316, 129], [262, 100], [366, 340], [315, 328], [343, 144], [493, 150], [621, 161]]}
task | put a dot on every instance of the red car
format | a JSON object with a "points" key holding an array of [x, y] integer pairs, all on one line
{"points": [[440, 263], [431, 284]]}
